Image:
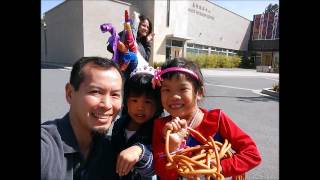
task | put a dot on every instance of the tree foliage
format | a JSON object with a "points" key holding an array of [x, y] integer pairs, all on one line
{"points": [[272, 8]]}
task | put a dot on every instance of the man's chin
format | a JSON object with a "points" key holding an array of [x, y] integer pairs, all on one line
{"points": [[101, 129]]}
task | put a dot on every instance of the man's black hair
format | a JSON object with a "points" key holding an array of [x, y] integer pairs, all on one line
{"points": [[77, 76]]}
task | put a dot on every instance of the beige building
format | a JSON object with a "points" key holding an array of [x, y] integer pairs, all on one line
{"points": [[181, 26]]}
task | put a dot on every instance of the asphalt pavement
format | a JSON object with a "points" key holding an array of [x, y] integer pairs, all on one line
{"points": [[236, 91]]}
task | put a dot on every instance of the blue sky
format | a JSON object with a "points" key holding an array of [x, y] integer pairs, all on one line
{"points": [[49, 4], [244, 8]]}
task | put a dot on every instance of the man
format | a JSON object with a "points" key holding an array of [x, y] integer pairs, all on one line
{"points": [[76, 146]]}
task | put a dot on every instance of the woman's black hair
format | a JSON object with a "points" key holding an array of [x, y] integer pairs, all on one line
{"points": [[184, 63], [142, 18]]}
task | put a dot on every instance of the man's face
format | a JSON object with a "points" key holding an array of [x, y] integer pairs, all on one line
{"points": [[98, 100]]}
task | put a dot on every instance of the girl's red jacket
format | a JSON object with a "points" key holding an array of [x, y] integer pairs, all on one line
{"points": [[215, 121]]}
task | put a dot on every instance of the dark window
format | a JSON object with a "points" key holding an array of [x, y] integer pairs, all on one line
{"points": [[168, 42], [189, 44], [192, 51], [177, 43], [168, 53], [198, 46]]}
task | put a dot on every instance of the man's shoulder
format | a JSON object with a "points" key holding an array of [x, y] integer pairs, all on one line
{"points": [[53, 161], [49, 124], [49, 127], [51, 144], [50, 133]]}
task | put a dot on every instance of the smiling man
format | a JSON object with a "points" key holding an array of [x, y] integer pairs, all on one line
{"points": [[76, 146]]}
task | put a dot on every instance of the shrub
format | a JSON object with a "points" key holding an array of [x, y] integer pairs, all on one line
{"points": [[276, 87], [215, 61], [235, 61], [157, 64], [247, 62], [211, 61]]}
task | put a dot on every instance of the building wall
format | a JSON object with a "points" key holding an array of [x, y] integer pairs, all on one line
{"points": [[264, 43], [96, 13], [217, 26], [64, 34], [202, 22], [145, 7], [42, 43], [73, 27], [160, 30]]}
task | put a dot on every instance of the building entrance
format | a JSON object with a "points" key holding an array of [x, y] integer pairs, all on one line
{"points": [[266, 59], [176, 52], [174, 49]]}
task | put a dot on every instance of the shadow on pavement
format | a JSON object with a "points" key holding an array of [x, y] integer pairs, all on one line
{"points": [[255, 99], [47, 66]]}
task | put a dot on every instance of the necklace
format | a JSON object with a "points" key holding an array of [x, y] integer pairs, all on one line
{"points": [[192, 122], [183, 133]]}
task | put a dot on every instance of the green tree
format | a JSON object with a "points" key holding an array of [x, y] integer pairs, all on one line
{"points": [[272, 8]]}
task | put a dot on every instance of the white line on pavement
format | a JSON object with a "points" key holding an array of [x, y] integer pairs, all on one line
{"points": [[231, 87], [256, 91], [271, 79]]}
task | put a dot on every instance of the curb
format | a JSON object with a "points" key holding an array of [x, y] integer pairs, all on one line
{"points": [[62, 66], [270, 92]]}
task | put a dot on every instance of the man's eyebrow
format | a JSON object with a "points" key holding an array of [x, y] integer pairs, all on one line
{"points": [[117, 90], [94, 87]]}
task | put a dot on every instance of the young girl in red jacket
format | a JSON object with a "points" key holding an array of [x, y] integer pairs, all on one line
{"points": [[182, 87]]}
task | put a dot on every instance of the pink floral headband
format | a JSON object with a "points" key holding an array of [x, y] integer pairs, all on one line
{"points": [[156, 80]]}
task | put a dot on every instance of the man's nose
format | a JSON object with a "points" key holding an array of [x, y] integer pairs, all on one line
{"points": [[106, 101]]}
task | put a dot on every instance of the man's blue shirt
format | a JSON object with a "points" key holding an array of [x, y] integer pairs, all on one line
{"points": [[61, 158]]}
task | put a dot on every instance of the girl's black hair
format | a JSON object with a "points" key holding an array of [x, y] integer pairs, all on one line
{"points": [[138, 85], [184, 63]]}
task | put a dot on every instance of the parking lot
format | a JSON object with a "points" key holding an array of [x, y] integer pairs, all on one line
{"points": [[236, 91]]}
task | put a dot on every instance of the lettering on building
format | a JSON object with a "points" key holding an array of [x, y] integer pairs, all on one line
{"points": [[200, 10]]}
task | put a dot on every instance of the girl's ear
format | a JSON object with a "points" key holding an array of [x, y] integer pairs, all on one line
{"points": [[200, 93]]}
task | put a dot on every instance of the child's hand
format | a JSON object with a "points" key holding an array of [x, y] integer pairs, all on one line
{"points": [[213, 163], [175, 125], [127, 159]]}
